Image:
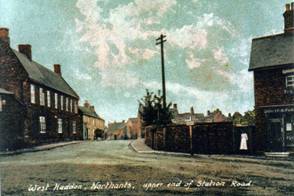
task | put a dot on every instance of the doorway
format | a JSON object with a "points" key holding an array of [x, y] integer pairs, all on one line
{"points": [[275, 137]]}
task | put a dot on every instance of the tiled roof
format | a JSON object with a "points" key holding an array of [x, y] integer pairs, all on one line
{"points": [[42, 75], [272, 51], [88, 112], [116, 126]]}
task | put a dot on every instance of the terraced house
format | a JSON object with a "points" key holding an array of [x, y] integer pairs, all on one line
{"points": [[50, 105], [93, 125]]}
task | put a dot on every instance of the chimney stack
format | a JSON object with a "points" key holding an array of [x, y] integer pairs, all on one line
{"points": [[192, 110], [289, 18], [26, 49], [57, 69], [4, 36], [175, 106], [92, 108], [86, 104]]}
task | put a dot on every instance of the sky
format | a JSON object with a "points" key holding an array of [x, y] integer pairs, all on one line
{"points": [[108, 54]]}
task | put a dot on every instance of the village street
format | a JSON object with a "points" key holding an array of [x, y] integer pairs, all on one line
{"points": [[99, 167]]}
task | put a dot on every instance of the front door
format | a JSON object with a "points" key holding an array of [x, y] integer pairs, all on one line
{"points": [[274, 136], [85, 132]]}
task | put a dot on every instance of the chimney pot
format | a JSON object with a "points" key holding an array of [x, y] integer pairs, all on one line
{"points": [[289, 18], [288, 7], [26, 49], [57, 69], [4, 35]]}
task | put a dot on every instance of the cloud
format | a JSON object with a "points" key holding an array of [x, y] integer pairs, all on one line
{"points": [[220, 56], [118, 79], [192, 95], [193, 62], [189, 36], [242, 79], [82, 76]]}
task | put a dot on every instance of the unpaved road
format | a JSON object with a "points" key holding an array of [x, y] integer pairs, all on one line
{"points": [[112, 168]]}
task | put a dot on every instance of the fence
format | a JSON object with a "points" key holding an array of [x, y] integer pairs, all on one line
{"points": [[202, 138]]}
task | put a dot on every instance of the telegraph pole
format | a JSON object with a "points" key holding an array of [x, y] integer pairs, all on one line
{"points": [[160, 41]]}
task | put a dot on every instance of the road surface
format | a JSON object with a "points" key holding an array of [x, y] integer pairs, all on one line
{"points": [[112, 168]]}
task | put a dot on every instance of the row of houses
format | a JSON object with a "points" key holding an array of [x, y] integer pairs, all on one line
{"points": [[37, 105]]}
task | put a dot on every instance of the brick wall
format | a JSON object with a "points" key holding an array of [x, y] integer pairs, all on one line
{"points": [[207, 138], [269, 89], [11, 123]]}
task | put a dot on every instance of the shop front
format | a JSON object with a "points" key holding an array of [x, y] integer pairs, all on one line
{"points": [[279, 128]]}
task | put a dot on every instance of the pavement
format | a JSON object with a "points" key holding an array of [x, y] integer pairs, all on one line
{"points": [[139, 146], [39, 148]]}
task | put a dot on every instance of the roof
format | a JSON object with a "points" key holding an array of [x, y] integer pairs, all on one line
{"points": [[88, 112], [270, 51], [116, 126], [42, 75], [133, 120], [3, 91]]}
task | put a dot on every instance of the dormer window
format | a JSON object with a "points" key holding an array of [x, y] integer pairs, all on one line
{"points": [[290, 81]]}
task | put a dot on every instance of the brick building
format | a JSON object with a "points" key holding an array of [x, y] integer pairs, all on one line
{"points": [[272, 63], [134, 128], [50, 105], [118, 131], [11, 115], [93, 125]]}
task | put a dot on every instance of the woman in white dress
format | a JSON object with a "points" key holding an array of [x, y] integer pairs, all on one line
{"points": [[243, 143]]}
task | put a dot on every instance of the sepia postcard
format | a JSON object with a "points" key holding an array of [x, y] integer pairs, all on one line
{"points": [[146, 97]]}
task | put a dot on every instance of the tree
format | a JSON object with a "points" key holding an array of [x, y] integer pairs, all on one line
{"points": [[152, 111]]}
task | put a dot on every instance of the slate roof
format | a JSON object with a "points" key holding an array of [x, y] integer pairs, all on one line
{"points": [[88, 112], [270, 51], [3, 91], [116, 126], [42, 75]]}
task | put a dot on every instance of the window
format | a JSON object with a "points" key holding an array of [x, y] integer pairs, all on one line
{"points": [[61, 102], [48, 99], [66, 104], [76, 107], [290, 80], [33, 95], [0, 104], [42, 97], [74, 127], [59, 125], [56, 100], [70, 105], [42, 121]]}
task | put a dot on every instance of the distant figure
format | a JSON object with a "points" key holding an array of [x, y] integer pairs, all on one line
{"points": [[243, 143]]}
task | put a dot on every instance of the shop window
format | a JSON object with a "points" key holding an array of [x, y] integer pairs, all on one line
{"points": [[290, 81]]}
